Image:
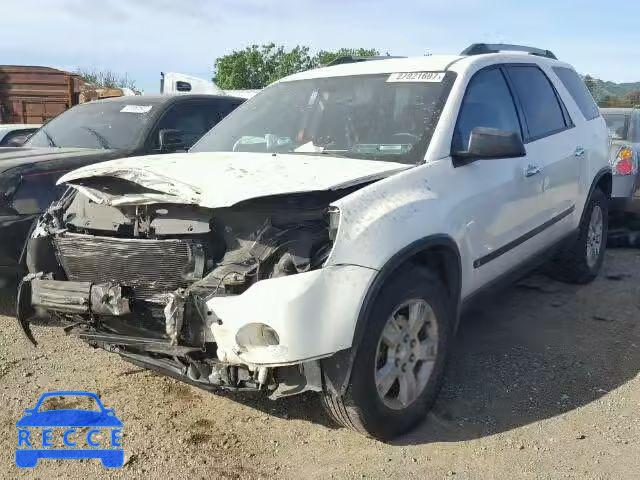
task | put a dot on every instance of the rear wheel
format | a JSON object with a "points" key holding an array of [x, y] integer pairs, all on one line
{"points": [[580, 262], [398, 369]]}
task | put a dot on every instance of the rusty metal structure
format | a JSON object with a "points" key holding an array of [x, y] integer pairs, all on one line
{"points": [[32, 94]]}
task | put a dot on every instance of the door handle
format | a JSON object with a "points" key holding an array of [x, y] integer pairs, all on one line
{"points": [[532, 170], [579, 152]]}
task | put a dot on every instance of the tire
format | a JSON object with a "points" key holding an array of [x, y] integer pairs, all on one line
{"points": [[362, 408], [574, 264]]}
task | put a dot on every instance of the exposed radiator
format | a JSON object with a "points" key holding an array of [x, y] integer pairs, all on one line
{"points": [[151, 268]]}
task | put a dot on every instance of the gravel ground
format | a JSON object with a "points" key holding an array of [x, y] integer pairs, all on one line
{"points": [[543, 383]]}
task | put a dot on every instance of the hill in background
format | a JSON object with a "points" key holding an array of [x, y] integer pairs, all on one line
{"points": [[611, 94]]}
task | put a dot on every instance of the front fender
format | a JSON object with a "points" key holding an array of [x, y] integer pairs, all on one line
{"points": [[384, 218]]}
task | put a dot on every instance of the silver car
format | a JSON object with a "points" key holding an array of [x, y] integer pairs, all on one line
{"points": [[624, 132]]}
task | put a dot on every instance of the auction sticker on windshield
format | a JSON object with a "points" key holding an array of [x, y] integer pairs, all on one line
{"points": [[416, 77], [136, 109], [69, 433]]}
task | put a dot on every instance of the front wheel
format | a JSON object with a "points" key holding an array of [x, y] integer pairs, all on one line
{"points": [[398, 369], [580, 262]]}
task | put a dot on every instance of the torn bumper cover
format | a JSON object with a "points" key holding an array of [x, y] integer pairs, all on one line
{"points": [[276, 322], [79, 297], [291, 319]]}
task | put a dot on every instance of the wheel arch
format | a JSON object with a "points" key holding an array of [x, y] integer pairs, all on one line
{"points": [[441, 254], [602, 180]]}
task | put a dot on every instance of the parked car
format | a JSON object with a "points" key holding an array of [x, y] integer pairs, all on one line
{"points": [[327, 234], [86, 134], [16, 134], [624, 131]]}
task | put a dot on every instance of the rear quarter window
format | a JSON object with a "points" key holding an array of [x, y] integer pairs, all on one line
{"points": [[578, 91]]}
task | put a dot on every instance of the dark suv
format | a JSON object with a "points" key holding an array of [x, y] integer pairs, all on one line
{"points": [[90, 133]]}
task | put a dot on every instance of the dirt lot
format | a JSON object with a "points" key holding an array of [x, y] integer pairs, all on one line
{"points": [[543, 384]]}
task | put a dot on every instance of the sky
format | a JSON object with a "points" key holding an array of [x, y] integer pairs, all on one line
{"points": [[145, 37]]}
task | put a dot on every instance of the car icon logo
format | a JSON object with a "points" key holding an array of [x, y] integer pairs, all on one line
{"points": [[35, 433]]}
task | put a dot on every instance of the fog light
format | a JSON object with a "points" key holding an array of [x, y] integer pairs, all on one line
{"points": [[257, 335], [334, 222]]}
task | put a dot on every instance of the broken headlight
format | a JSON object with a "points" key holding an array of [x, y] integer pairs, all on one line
{"points": [[334, 222]]}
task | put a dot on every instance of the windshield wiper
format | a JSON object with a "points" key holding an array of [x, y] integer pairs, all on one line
{"points": [[103, 141], [333, 153], [49, 139], [310, 149]]}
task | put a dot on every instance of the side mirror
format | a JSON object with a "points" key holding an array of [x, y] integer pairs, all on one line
{"points": [[485, 143], [182, 86], [170, 141]]}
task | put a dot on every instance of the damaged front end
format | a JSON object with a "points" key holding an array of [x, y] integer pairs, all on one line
{"points": [[204, 295]]}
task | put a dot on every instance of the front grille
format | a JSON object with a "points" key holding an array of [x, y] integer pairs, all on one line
{"points": [[151, 268]]}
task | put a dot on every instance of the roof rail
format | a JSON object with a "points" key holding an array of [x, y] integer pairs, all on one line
{"points": [[482, 48], [355, 59]]}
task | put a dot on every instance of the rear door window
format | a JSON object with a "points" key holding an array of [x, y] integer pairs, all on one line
{"points": [[542, 110], [216, 111], [487, 103], [579, 92], [191, 119]]}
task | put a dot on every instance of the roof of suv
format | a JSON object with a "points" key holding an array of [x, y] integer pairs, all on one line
{"points": [[432, 63]]}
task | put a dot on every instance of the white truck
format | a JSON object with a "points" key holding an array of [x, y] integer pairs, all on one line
{"points": [[180, 83], [327, 234]]}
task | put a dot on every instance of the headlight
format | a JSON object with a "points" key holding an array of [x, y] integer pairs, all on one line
{"points": [[334, 222]]}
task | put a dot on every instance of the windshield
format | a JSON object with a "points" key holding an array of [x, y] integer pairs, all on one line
{"points": [[618, 125], [376, 117], [110, 125]]}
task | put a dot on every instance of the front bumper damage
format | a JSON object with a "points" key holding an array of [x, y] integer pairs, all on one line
{"points": [[79, 297], [273, 334], [312, 313], [238, 297]]}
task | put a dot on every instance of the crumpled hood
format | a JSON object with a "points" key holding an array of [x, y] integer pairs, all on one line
{"points": [[221, 179]]}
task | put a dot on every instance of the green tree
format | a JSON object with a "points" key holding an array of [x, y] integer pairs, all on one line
{"points": [[105, 78], [607, 101], [324, 57], [632, 99], [592, 85], [256, 66]]}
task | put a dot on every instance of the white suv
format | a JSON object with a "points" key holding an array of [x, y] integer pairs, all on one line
{"points": [[326, 235]]}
